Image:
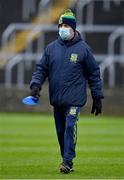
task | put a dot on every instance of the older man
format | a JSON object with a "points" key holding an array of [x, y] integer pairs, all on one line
{"points": [[69, 64]]}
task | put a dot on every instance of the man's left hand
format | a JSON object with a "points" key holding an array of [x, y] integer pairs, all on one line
{"points": [[96, 107]]}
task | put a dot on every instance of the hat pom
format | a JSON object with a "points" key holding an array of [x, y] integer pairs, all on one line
{"points": [[68, 12]]}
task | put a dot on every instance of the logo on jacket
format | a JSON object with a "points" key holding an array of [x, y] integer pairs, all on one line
{"points": [[73, 57], [73, 111]]}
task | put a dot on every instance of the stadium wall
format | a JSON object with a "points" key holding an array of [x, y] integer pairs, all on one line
{"points": [[10, 101]]}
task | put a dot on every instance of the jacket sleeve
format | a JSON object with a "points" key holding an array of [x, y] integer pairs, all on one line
{"points": [[41, 71], [92, 73]]}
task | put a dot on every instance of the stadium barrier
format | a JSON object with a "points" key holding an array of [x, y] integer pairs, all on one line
{"points": [[106, 60]]}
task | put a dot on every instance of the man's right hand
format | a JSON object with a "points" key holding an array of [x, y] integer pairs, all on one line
{"points": [[35, 92]]}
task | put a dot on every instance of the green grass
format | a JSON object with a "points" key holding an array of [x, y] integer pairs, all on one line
{"points": [[29, 147]]}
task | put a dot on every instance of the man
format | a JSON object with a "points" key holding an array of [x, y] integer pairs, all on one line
{"points": [[68, 63]]}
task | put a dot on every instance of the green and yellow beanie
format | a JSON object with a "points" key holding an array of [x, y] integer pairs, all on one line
{"points": [[68, 18]]}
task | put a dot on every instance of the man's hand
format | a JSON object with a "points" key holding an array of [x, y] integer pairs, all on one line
{"points": [[96, 107], [35, 92]]}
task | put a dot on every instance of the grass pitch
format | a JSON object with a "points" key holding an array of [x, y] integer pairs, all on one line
{"points": [[29, 148]]}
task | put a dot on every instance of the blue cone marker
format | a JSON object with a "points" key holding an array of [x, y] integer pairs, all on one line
{"points": [[30, 100]]}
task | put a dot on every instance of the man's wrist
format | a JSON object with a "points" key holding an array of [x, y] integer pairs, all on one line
{"points": [[35, 85]]}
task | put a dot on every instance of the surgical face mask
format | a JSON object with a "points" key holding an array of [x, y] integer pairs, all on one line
{"points": [[65, 33]]}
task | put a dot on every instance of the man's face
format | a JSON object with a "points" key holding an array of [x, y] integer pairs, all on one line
{"points": [[66, 30]]}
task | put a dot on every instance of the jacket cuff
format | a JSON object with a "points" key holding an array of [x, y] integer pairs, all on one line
{"points": [[99, 97], [35, 85]]}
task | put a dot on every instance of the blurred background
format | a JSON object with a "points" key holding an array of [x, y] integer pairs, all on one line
{"points": [[27, 26]]}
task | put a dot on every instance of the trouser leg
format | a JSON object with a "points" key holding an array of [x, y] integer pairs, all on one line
{"points": [[70, 135], [59, 116]]}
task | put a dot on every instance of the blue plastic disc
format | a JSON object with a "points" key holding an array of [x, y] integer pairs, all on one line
{"points": [[30, 100]]}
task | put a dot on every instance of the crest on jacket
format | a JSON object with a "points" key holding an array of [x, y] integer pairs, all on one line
{"points": [[74, 57], [73, 111]]}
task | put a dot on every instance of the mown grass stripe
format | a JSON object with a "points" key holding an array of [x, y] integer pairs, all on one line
{"points": [[29, 148]]}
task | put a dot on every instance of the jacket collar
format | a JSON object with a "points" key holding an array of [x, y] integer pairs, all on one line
{"points": [[76, 39]]}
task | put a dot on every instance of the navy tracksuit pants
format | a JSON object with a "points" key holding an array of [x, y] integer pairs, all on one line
{"points": [[66, 128]]}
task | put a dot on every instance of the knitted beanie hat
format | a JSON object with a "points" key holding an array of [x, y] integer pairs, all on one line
{"points": [[68, 18]]}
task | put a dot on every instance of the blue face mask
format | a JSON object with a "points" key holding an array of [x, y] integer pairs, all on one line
{"points": [[64, 33]]}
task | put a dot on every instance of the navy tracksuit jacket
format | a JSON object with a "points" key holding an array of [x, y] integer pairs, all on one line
{"points": [[68, 66]]}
